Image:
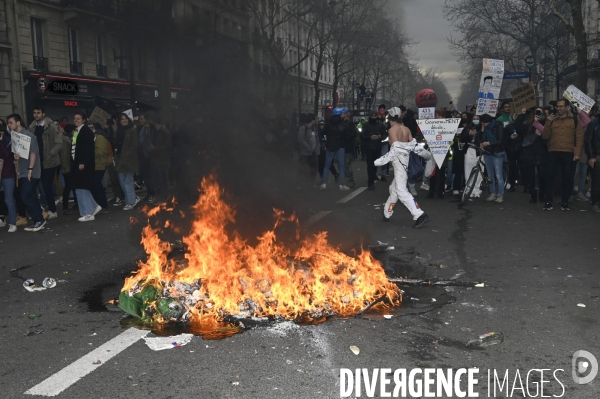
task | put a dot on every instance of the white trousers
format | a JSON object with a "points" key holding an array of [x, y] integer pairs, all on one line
{"points": [[399, 191], [470, 162]]}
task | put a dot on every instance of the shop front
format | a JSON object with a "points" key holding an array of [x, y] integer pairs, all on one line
{"points": [[62, 96]]}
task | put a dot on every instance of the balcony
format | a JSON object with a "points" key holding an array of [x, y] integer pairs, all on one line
{"points": [[40, 63], [76, 68], [123, 73], [102, 71]]}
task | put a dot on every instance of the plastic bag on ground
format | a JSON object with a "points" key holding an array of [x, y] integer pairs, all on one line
{"points": [[161, 343]]}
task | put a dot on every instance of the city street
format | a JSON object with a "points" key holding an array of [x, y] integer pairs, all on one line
{"points": [[537, 267]]}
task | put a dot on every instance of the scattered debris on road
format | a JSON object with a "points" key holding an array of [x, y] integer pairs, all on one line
{"points": [[489, 339], [162, 343], [355, 349]]}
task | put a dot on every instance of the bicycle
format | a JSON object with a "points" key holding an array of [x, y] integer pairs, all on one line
{"points": [[480, 170]]}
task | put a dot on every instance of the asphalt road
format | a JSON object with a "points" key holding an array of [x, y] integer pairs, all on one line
{"points": [[537, 267]]}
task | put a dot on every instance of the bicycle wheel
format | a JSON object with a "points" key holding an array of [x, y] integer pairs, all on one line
{"points": [[470, 185]]}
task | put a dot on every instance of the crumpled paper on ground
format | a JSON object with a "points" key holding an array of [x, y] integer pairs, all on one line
{"points": [[161, 343]]}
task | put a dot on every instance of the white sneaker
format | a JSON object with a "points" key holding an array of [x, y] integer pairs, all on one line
{"points": [[344, 188], [413, 192], [58, 201], [137, 200], [455, 192], [499, 199], [323, 186], [98, 209], [12, 228], [491, 198], [425, 186], [2, 223], [52, 215], [87, 218], [128, 207]]}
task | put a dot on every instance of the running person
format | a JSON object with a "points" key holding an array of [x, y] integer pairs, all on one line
{"points": [[402, 143]]}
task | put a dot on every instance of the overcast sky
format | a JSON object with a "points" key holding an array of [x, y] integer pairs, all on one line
{"points": [[424, 21]]}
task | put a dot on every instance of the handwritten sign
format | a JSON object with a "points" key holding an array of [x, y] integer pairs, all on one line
{"points": [[579, 99], [427, 113], [523, 97], [487, 107], [99, 115], [439, 133], [490, 84], [20, 144]]}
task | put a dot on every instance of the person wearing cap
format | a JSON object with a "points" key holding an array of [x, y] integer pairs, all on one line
{"points": [[336, 133], [402, 144]]}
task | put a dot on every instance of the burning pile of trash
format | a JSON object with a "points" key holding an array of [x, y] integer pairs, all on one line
{"points": [[220, 275]]}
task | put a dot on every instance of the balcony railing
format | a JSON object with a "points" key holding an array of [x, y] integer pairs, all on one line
{"points": [[123, 73], [76, 67], [101, 70], [40, 63]]}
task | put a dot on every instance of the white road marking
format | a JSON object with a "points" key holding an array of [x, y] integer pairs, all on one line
{"points": [[68, 376], [315, 218], [351, 195]]}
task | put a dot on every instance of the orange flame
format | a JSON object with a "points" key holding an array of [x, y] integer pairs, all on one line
{"points": [[268, 279]]}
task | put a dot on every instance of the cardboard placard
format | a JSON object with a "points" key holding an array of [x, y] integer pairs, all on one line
{"points": [[427, 113], [439, 133], [20, 144], [490, 84], [579, 99], [99, 116], [523, 97]]}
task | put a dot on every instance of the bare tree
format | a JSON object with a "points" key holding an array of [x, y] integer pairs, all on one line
{"points": [[576, 27]]}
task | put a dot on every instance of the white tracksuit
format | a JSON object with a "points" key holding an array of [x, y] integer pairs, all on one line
{"points": [[399, 156]]}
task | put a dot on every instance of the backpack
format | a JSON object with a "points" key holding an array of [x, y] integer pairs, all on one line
{"points": [[415, 168]]}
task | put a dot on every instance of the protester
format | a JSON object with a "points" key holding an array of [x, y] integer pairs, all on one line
{"points": [[592, 150], [492, 143], [385, 145], [471, 138], [349, 148], [8, 177], [533, 153], [65, 167], [402, 144], [565, 145], [126, 159], [372, 134], [102, 158], [49, 143], [29, 173], [323, 153], [458, 155], [159, 147], [145, 137], [336, 133], [110, 128], [83, 168]]}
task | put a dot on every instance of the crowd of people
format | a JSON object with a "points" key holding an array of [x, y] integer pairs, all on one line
{"points": [[47, 163], [548, 151]]}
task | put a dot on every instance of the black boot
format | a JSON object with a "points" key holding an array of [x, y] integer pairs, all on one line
{"points": [[421, 221]]}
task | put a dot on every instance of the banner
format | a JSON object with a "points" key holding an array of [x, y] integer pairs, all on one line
{"points": [[99, 116], [579, 99], [489, 86], [439, 133], [20, 144], [427, 113], [523, 97]]}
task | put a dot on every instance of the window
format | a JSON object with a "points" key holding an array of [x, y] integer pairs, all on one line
{"points": [[37, 37], [99, 50], [73, 45]]}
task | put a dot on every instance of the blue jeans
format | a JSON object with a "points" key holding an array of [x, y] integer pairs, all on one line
{"points": [[98, 192], [127, 185], [9, 198], [340, 155], [449, 174], [493, 165], [30, 198], [86, 202], [582, 174], [385, 147]]}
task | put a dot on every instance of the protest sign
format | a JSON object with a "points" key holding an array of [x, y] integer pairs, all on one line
{"points": [[129, 113], [426, 113], [20, 144], [523, 97], [579, 99], [99, 116], [489, 86], [439, 133]]}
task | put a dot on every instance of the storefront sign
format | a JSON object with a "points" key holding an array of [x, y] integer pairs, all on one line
{"points": [[64, 87], [71, 103]]}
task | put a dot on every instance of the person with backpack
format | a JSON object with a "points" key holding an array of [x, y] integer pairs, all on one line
{"points": [[308, 146], [403, 148]]}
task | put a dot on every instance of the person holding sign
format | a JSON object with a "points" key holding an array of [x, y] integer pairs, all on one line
{"points": [[29, 169], [402, 144]]}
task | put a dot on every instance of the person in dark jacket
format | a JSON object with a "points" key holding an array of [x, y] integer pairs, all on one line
{"points": [[159, 148], [532, 156], [110, 127], [127, 163], [591, 145], [458, 155], [323, 153], [349, 148], [8, 176], [372, 133], [493, 144], [336, 133], [83, 168], [471, 139]]}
